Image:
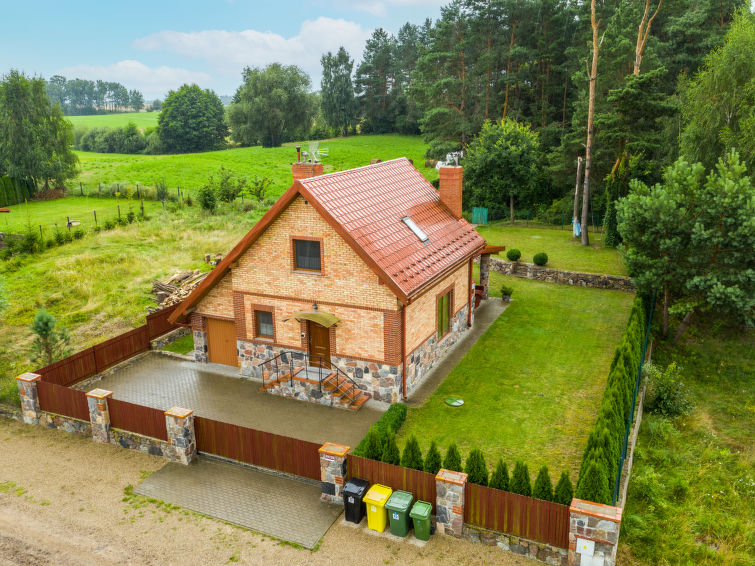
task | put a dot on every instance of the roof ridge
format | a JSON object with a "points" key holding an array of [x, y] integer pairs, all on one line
{"points": [[334, 173]]}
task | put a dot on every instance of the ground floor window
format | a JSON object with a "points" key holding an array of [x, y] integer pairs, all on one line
{"points": [[444, 313], [263, 324]]}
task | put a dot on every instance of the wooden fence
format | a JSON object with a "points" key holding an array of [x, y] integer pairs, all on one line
{"points": [[419, 484], [92, 361], [518, 515], [62, 400], [264, 449], [137, 418]]}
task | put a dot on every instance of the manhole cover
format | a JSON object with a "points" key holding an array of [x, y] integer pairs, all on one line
{"points": [[454, 402]]}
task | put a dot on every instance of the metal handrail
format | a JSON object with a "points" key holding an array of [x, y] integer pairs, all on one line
{"points": [[341, 376]]}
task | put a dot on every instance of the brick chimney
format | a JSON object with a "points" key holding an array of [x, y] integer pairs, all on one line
{"points": [[450, 188], [303, 169]]}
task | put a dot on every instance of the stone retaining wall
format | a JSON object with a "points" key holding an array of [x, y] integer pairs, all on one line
{"points": [[536, 273], [535, 550]]}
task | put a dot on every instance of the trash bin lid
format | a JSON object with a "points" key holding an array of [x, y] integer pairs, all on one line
{"points": [[378, 495], [400, 501], [421, 510], [356, 486]]}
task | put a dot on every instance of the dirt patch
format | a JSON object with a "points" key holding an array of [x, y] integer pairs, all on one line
{"points": [[62, 501], [49, 194]]}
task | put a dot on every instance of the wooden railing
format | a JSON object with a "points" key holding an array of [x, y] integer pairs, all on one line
{"points": [[259, 448]]}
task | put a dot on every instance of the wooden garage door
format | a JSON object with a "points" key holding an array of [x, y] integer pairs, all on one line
{"points": [[221, 338]]}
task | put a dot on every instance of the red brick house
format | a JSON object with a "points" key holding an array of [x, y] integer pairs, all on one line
{"points": [[367, 272]]}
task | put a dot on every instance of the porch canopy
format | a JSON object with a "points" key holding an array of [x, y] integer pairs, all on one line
{"points": [[322, 318]]}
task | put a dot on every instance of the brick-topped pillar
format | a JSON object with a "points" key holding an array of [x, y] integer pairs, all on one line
{"points": [[485, 275], [449, 503], [99, 414], [332, 471], [182, 441], [27, 390], [593, 532]]}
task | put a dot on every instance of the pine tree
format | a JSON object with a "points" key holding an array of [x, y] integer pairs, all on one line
{"points": [[50, 343], [593, 485], [433, 460], [543, 488], [412, 457], [476, 468], [564, 492], [520, 480], [391, 454], [500, 477], [453, 459]]}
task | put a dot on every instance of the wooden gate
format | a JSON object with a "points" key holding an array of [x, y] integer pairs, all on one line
{"points": [[221, 341]]}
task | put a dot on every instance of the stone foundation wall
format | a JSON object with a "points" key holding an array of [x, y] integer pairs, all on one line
{"points": [[535, 550], [423, 359], [305, 391], [68, 424], [200, 346], [382, 381], [530, 271]]}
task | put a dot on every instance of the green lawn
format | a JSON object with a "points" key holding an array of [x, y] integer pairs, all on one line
{"points": [[190, 171], [564, 252], [692, 490], [532, 383], [51, 212], [143, 120], [183, 345]]}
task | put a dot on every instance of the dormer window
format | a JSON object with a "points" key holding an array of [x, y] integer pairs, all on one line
{"points": [[307, 255], [416, 229]]}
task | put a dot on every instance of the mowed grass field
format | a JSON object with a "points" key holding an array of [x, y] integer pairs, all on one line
{"points": [[564, 251], [190, 171], [143, 120], [532, 383]]}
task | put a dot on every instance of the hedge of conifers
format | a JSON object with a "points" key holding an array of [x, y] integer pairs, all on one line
{"points": [[380, 444], [600, 461]]}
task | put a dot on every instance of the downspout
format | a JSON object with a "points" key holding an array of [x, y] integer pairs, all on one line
{"points": [[403, 351], [469, 295]]}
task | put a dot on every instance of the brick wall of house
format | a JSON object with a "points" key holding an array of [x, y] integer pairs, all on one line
{"points": [[421, 315], [219, 300]]}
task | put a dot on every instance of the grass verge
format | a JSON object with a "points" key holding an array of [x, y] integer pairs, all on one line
{"points": [[183, 345], [692, 489], [532, 383]]}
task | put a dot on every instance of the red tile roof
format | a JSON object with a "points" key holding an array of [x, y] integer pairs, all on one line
{"points": [[369, 203]]}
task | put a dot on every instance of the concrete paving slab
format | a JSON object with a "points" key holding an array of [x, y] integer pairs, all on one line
{"points": [[277, 506]]}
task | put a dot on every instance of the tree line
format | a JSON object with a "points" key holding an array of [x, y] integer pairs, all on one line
{"points": [[81, 97]]}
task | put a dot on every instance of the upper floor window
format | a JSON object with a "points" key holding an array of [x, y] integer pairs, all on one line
{"points": [[307, 255]]}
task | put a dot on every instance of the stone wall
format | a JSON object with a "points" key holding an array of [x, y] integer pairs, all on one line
{"points": [[530, 548], [68, 424], [530, 271], [201, 353]]}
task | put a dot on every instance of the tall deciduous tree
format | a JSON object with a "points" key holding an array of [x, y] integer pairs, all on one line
{"points": [[271, 106], [192, 119], [337, 91], [595, 26], [503, 163], [35, 138]]}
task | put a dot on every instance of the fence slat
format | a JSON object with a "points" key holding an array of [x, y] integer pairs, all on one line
{"points": [[258, 448], [61, 400], [157, 322], [120, 348], [137, 418], [71, 369], [420, 484]]}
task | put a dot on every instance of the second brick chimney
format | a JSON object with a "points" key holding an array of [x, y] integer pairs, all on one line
{"points": [[303, 169], [450, 187]]}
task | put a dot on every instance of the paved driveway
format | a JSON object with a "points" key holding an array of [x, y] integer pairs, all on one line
{"points": [[281, 507], [216, 392]]}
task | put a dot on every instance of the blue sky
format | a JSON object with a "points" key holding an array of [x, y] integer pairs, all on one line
{"points": [[158, 45]]}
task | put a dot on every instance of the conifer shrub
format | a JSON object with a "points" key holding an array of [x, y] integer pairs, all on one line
{"points": [[452, 461], [433, 460], [500, 477], [391, 454], [513, 254], [540, 259], [373, 447], [520, 480], [593, 484], [563, 493], [476, 468], [392, 419], [412, 456], [543, 488]]}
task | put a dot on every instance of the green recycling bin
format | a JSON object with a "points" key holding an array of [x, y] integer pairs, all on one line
{"points": [[420, 514], [398, 507]]}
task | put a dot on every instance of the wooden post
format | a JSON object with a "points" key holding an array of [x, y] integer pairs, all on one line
{"points": [[95, 217]]}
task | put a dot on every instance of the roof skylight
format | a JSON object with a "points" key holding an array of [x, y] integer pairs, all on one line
{"points": [[414, 228]]}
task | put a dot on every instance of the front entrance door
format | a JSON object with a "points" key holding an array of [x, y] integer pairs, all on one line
{"points": [[221, 341], [319, 345]]}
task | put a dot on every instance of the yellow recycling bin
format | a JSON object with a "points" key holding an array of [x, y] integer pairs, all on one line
{"points": [[375, 499]]}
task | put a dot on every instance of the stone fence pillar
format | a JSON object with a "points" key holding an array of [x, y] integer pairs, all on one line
{"points": [[449, 503], [593, 533], [485, 275], [182, 441], [27, 390], [99, 414], [332, 471]]}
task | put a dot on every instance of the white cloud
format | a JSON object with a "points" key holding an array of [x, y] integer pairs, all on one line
{"points": [[230, 51], [153, 82], [380, 8]]}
